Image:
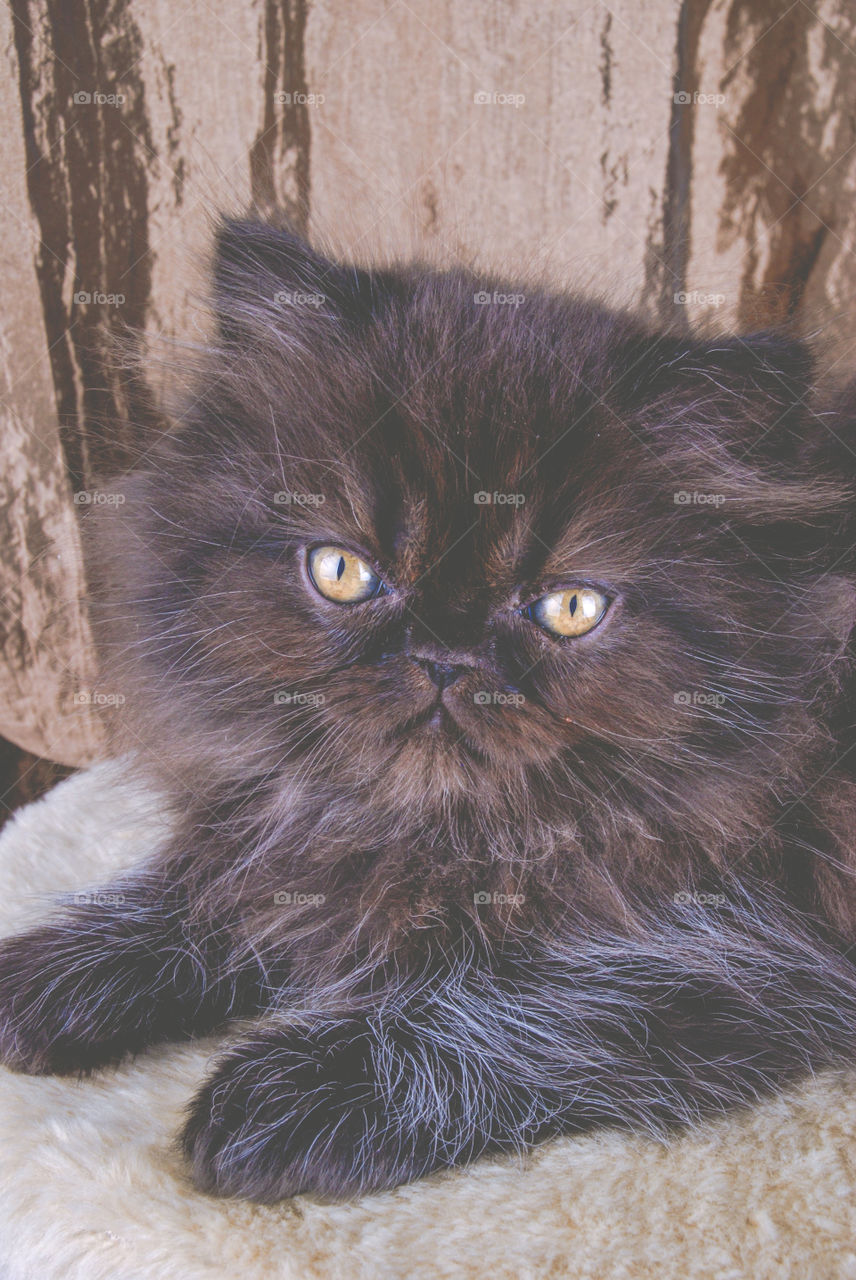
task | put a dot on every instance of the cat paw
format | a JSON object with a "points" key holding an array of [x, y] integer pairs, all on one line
{"points": [[286, 1113], [51, 1007], [84, 992], [35, 1032]]}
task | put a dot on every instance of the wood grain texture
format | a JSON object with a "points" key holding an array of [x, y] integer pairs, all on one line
{"points": [[773, 223], [695, 157], [46, 641], [526, 137]]}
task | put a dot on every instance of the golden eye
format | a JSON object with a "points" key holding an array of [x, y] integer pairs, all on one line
{"points": [[341, 576], [571, 612]]}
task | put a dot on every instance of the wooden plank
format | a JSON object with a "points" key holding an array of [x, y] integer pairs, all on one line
{"points": [[527, 138], [46, 642], [773, 223]]}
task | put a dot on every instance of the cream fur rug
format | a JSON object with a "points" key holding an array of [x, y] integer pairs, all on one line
{"points": [[91, 1188]]}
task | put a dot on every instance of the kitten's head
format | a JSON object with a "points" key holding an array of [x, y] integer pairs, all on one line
{"points": [[483, 555]]}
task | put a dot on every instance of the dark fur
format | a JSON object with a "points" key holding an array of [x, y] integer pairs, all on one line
{"points": [[403, 1024]]}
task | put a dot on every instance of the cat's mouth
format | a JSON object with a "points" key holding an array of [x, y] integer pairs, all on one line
{"points": [[435, 718], [440, 735]]}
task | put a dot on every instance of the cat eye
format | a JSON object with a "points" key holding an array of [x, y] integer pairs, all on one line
{"points": [[341, 576], [571, 612]]}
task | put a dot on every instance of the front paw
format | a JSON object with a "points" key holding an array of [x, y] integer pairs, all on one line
{"points": [[288, 1112], [86, 989], [52, 1005]]}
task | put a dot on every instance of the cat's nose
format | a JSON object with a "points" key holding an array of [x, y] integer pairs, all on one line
{"points": [[442, 673]]}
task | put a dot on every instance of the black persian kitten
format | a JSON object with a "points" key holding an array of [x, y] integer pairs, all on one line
{"points": [[494, 652]]}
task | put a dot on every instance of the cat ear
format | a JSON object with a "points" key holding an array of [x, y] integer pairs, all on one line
{"points": [[268, 279], [754, 390], [767, 369]]}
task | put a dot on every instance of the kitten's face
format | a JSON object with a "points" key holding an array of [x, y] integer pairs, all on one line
{"points": [[428, 546]]}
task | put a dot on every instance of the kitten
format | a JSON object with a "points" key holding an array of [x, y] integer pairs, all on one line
{"points": [[494, 651]]}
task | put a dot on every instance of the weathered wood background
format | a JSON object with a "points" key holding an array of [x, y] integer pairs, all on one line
{"points": [[696, 158]]}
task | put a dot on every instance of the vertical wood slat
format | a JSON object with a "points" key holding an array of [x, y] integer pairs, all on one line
{"points": [[773, 215], [520, 137], [46, 641]]}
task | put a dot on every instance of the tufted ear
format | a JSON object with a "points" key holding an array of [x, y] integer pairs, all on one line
{"points": [[740, 418], [766, 368], [267, 279], [751, 390]]}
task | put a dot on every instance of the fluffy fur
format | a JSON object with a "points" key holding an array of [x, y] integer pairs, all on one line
{"points": [[93, 1186], [618, 890]]}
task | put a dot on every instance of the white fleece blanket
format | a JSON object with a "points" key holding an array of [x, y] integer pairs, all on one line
{"points": [[91, 1187]]}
